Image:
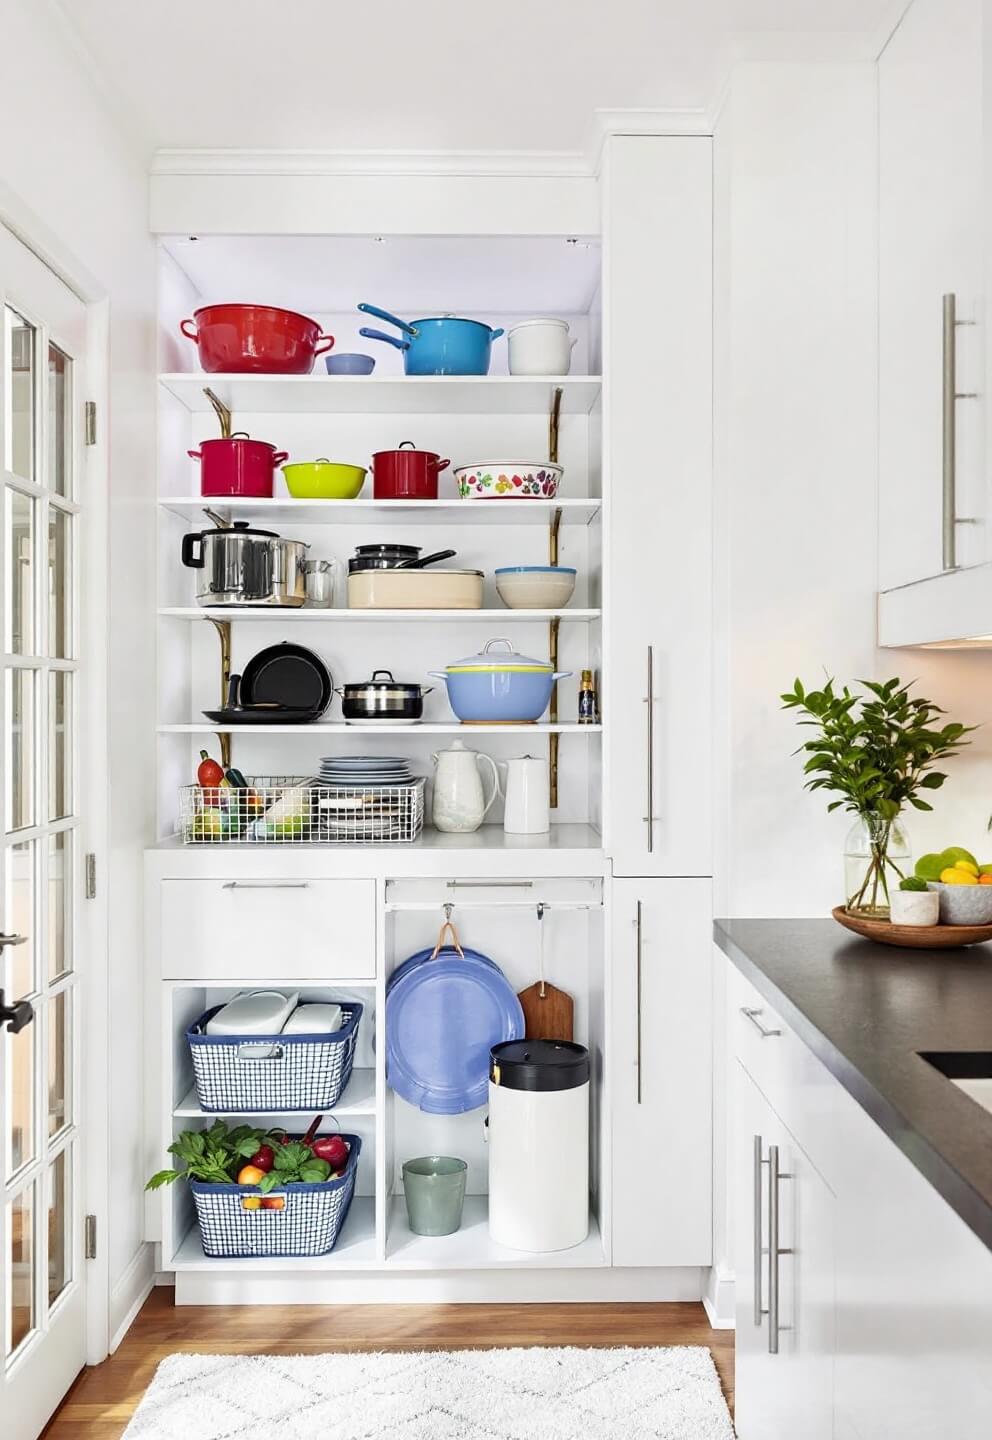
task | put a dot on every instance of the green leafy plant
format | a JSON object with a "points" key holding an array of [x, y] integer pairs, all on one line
{"points": [[216, 1155], [913, 882], [295, 1163], [877, 752]]}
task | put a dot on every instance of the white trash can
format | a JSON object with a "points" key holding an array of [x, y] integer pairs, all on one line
{"points": [[539, 1144]]}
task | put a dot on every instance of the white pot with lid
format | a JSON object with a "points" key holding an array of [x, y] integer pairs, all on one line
{"points": [[541, 346]]}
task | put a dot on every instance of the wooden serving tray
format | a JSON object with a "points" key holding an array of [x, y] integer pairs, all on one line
{"points": [[915, 937]]}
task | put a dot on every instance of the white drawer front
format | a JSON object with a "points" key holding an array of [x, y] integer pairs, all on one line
{"points": [[265, 929], [796, 1084]]}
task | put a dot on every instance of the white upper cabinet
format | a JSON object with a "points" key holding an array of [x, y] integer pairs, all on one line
{"points": [[657, 344], [933, 500]]}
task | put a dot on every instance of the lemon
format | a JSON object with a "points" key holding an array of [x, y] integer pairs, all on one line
{"points": [[971, 868], [957, 875]]}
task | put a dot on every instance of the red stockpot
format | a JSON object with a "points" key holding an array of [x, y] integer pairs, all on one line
{"points": [[237, 466], [406, 473], [255, 340]]}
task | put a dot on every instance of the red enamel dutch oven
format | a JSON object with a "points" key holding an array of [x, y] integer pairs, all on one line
{"points": [[255, 340], [237, 466], [406, 473]]}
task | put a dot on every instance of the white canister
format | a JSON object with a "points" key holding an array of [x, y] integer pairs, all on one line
{"points": [[527, 807], [539, 1144], [540, 347], [460, 803]]}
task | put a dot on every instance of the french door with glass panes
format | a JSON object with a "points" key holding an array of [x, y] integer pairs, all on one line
{"points": [[42, 1304]]}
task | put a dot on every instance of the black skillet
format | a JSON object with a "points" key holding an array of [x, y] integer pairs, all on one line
{"points": [[235, 713], [290, 676]]}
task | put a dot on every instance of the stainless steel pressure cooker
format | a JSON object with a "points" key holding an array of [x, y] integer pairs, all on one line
{"points": [[243, 566]]}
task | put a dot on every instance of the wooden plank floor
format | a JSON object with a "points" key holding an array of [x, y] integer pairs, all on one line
{"points": [[103, 1399]]}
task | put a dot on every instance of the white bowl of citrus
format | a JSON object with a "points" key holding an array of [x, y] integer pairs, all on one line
{"points": [[963, 885]]}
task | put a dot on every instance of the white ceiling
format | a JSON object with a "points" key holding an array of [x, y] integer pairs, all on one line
{"points": [[435, 74]]}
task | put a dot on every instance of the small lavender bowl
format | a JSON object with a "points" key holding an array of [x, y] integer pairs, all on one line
{"points": [[963, 904], [349, 364]]}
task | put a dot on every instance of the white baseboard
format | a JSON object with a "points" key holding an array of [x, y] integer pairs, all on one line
{"points": [[483, 1287], [718, 1298], [130, 1293]]}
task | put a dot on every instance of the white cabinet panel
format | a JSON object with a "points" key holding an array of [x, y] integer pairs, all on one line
{"points": [[786, 1391], [657, 436], [931, 227], [263, 929], [660, 1058]]}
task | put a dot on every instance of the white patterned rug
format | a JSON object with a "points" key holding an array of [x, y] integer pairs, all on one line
{"points": [[553, 1394]]}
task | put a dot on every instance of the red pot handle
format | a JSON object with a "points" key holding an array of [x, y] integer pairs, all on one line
{"points": [[189, 336], [443, 464], [320, 349], [194, 454], [280, 456]]}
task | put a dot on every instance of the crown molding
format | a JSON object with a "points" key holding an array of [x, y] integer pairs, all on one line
{"points": [[553, 164]]}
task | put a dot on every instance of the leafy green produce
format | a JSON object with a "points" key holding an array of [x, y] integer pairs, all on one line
{"points": [[913, 882], [216, 1155], [295, 1163]]}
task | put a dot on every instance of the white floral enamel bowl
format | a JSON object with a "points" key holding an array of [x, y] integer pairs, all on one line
{"points": [[509, 480]]}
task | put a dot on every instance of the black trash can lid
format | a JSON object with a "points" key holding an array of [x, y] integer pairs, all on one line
{"points": [[539, 1065]]}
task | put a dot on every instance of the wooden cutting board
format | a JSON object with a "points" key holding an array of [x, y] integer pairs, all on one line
{"points": [[547, 1018]]}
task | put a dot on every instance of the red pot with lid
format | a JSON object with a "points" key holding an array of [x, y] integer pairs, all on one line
{"points": [[255, 340], [238, 466], [406, 473]]}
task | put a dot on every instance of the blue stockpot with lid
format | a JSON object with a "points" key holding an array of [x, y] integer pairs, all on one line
{"points": [[499, 685], [439, 345]]}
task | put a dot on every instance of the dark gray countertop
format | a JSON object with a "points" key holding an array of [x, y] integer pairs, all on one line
{"points": [[866, 1010]]}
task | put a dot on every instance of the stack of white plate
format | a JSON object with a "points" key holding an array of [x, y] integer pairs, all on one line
{"points": [[367, 797]]}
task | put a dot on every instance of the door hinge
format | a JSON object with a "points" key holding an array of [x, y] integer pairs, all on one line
{"points": [[89, 411], [90, 1237], [91, 877]]}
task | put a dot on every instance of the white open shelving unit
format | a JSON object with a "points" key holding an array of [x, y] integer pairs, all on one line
{"points": [[351, 418]]}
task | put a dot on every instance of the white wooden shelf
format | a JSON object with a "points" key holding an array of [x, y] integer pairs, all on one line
{"points": [[387, 395], [343, 616], [339, 727], [470, 1248], [283, 510], [425, 855], [358, 1099], [356, 1249]]}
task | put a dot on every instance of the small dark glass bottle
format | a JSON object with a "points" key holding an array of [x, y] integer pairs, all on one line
{"points": [[588, 700]]}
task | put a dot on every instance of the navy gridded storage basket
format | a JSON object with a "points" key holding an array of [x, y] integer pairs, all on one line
{"points": [[253, 1074], [309, 1224]]}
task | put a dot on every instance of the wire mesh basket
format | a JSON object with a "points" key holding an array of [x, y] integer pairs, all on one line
{"points": [[261, 1073], [237, 1223], [297, 810]]}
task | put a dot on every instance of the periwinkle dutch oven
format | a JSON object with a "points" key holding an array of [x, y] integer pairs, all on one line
{"points": [[499, 685], [442, 345]]}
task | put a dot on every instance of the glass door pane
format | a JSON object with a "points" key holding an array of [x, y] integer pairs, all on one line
{"points": [[20, 1228], [20, 348]]}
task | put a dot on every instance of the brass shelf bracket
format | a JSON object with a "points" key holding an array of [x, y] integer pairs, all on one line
{"points": [[223, 628], [553, 628], [554, 625]]}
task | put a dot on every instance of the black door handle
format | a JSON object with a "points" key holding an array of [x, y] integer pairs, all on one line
{"points": [[15, 1016]]}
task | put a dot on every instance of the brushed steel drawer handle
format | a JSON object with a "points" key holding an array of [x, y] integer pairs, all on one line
{"points": [[775, 1175], [752, 1015], [266, 885]]}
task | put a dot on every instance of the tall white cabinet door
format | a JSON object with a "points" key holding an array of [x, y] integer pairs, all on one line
{"points": [[783, 1385], [660, 1082], [931, 229], [657, 319]]}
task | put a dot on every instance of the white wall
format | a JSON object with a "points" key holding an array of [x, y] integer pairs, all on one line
{"points": [[75, 167]]}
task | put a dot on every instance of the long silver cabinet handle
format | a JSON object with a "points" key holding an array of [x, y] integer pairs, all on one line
{"points": [[649, 702], [950, 395], [639, 923], [752, 1015], [775, 1251], [758, 1240], [266, 885]]}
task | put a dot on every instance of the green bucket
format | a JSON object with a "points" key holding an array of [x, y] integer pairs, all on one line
{"points": [[434, 1186]]}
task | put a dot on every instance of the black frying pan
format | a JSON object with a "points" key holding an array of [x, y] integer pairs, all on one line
{"points": [[235, 713], [288, 675]]}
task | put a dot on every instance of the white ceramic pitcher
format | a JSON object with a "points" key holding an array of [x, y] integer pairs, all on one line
{"points": [[528, 796], [460, 803]]}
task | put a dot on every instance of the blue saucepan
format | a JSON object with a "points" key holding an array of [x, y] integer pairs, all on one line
{"points": [[443, 345]]}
